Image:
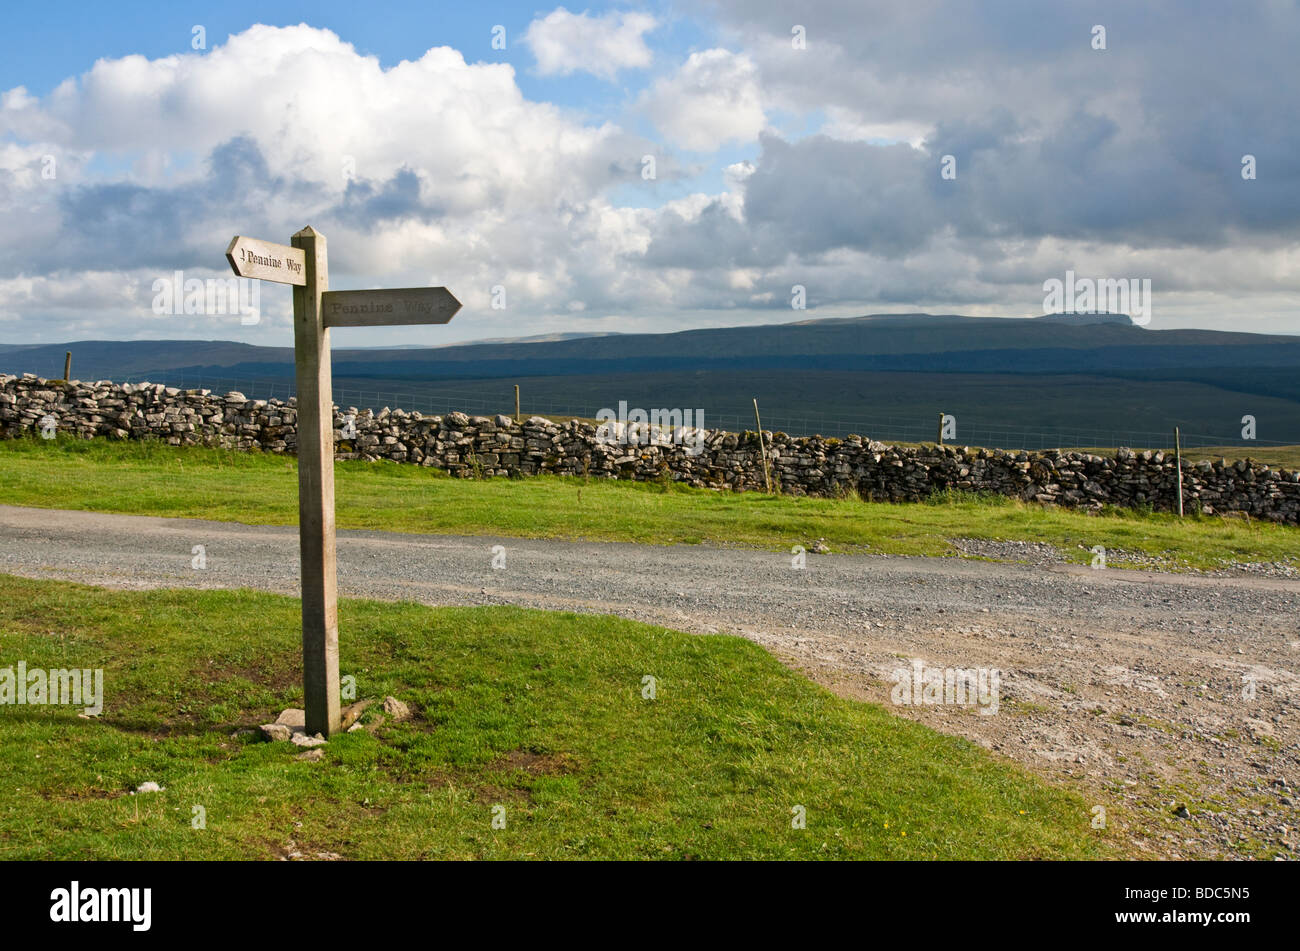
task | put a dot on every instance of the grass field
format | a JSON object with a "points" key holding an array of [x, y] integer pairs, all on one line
{"points": [[542, 714], [155, 479]]}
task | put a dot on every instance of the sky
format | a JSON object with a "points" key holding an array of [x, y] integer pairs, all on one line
{"points": [[652, 167]]}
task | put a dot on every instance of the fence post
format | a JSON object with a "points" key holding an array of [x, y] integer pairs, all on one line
{"points": [[762, 448], [939, 440], [67, 365], [1178, 463], [516, 402]]}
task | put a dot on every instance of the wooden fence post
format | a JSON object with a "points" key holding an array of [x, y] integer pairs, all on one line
{"points": [[1178, 462], [762, 448]]}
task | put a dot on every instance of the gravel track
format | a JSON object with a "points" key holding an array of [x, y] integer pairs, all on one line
{"points": [[1149, 691]]}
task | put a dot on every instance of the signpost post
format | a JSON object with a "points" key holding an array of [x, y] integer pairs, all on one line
{"points": [[315, 310]]}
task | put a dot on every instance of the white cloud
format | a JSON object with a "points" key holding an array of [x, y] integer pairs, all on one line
{"points": [[308, 100], [847, 124], [565, 42], [735, 174], [457, 179], [713, 99]]}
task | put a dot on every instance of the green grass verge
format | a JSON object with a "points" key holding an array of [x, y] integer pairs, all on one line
{"points": [[539, 713], [255, 488]]}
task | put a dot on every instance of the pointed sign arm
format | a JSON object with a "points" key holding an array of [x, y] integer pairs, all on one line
{"points": [[267, 261], [381, 308]]}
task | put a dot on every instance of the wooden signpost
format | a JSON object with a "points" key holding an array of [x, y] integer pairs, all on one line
{"points": [[315, 310]]}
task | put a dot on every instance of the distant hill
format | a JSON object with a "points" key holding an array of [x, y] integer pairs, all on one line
{"points": [[1037, 377]]}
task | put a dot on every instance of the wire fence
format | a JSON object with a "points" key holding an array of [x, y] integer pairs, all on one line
{"points": [[472, 400]]}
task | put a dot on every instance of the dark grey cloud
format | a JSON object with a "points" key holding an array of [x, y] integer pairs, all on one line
{"points": [[1138, 145], [122, 225], [368, 205], [126, 226]]}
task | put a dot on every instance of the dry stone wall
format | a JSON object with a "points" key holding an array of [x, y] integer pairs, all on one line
{"points": [[477, 446]]}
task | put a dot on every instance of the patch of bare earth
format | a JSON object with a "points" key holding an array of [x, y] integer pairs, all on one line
{"points": [[1187, 741]]}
